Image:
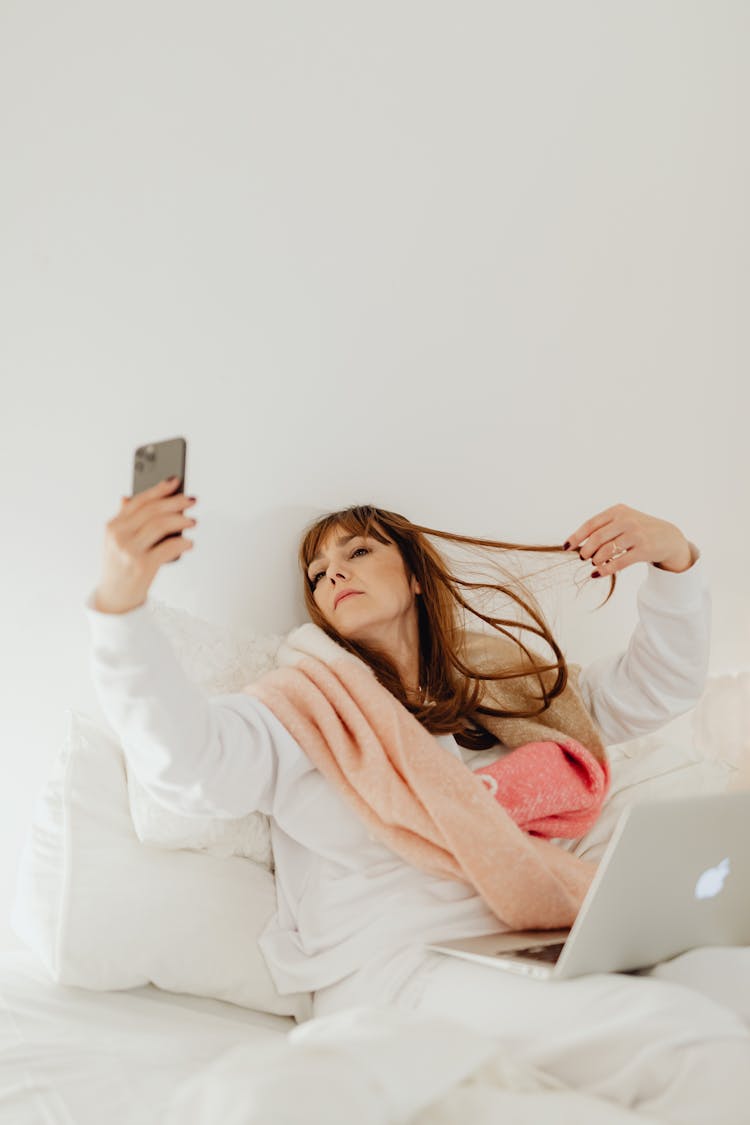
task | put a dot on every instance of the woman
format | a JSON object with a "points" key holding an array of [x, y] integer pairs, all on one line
{"points": [[352, 916]]}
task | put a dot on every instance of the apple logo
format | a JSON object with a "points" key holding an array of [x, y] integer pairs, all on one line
{"points": [[712, 880]]}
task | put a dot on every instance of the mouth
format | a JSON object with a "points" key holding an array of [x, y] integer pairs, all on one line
{"points": [[351, 594]]}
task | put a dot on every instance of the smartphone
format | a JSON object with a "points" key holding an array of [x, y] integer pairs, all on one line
{"points": [[154, 463]]}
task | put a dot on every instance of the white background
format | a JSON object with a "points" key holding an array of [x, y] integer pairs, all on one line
{"points": [[483, 264]]}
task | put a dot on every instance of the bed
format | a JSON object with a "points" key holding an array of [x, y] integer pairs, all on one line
{"points": [[128, 1004]]}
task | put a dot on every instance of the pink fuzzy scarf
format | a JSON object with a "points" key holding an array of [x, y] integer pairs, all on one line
{"points": [[486, 827]]}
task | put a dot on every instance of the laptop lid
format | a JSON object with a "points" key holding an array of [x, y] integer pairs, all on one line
{"points": [[675, 876]]}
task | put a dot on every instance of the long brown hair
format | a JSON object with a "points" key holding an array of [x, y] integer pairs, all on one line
{"points": [[452, 688]]}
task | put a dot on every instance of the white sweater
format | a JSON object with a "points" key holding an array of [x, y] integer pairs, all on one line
{"points": [[343, 898]]}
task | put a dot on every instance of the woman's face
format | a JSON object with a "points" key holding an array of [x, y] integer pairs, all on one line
{"points": [[385, 597]]}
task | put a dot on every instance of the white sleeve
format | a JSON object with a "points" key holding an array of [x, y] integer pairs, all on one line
{"points": [[195, 755], [664, 670]]}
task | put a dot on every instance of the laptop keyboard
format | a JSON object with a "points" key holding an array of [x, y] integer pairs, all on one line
{"points": [[549, 953]]}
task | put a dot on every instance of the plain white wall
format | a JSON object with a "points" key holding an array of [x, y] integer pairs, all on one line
{"points": [[481, 263]]}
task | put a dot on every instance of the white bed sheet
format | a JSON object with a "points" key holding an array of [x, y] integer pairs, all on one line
{"points": [[69, 1056]]}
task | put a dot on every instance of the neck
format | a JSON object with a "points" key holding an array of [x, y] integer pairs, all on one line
{"points": [[402, 647]]}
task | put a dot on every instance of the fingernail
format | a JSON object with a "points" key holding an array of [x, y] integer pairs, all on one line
{"points": [[567, 546], [595, 574]]}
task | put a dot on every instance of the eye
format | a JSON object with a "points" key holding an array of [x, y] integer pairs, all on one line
{"points": [[320, 574]]}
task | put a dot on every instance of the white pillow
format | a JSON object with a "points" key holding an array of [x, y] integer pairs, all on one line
{"points": [[218, 660], [722, 723], [106, 912], [679, 760]]}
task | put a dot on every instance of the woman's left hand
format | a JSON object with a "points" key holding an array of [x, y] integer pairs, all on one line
{"points": [[620, 536]]}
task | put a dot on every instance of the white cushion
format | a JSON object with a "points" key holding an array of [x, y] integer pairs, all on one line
{"points": [[722, 723], [104, 911], [692, 755]]}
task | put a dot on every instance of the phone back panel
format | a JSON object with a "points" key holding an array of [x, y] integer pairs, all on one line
{"points": [[157, 461]]}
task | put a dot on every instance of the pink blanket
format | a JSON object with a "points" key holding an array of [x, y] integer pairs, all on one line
{"points": [[486, 828]]}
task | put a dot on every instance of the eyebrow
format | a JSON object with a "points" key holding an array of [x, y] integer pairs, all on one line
{"points": [[339, 543]]}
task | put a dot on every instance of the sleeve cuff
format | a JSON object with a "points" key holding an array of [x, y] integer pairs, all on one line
{"points": [[109, 622], [683, 589]]}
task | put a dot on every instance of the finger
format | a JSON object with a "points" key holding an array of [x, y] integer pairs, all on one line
{"points": [[136, 518], [155, 529], [588, 545], [590, 527], [171, 549], [163, 488], [610, 565]]}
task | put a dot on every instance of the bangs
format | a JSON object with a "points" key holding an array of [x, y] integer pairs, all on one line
{"points": [[353, 521]]}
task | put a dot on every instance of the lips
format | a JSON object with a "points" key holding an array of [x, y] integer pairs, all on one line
{"points": [[347, 594]]}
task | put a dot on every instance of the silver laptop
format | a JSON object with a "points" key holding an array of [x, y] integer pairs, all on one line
{"points": [[675, 876]]}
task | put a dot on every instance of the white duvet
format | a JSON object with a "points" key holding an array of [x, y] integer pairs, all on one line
{"points": [[373, 1065]]}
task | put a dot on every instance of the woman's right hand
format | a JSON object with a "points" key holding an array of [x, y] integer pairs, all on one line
{"points": [[131, 561]]}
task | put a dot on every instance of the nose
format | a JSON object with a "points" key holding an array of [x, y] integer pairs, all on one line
{"points": [[331, 571]]}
